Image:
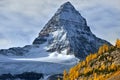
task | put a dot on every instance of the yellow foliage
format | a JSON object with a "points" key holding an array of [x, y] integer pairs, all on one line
{"points": [[102, 67], [109, 58], [103, 49], [100, 51], [65, 75], [117, 43], [101, 77], [71, 71], [83, 63], [90, 57], [115, 76], [85, 71], [113, 67], [77, 74]]}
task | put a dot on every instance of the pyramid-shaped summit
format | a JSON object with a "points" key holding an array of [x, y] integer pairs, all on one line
{"points": [[67, 33], [68, 12]]}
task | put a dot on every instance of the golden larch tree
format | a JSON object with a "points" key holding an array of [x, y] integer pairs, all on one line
{"points": [[117, 43]]}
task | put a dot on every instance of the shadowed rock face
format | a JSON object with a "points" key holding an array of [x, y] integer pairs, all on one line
{"points": [[13, 51], [67, 31]]}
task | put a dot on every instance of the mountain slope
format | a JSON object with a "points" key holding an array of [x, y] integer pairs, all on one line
{"points": [[103, 65], [64, 39], [115, 76], [36, 60], [67, 31]]}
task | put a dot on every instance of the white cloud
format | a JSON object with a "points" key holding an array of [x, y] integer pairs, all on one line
{"points": [[4, 43], [25, 18]]}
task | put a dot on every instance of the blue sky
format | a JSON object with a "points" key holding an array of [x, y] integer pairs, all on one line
{"points": [[22, 20]]}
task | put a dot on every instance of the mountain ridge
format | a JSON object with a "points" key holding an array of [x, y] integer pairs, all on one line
{"points": [[67, 27], [63, 42], [66, 32]]}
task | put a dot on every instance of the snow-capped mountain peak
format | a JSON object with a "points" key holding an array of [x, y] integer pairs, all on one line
{"points": [[69, 13], [65, 38], [67, 31]]}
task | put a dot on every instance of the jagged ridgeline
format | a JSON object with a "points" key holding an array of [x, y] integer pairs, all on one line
{"points": [[68, 31], [103, 65], [62, 42]]}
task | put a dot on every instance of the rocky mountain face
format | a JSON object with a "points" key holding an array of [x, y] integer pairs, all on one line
{"points": [[65, 38], [67, 31]]}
